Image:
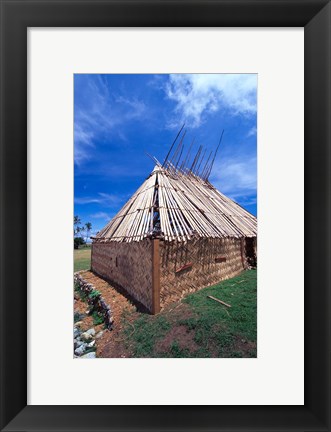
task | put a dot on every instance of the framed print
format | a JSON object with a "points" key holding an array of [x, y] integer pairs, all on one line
{"points": [[170, 339], [70, 68]]}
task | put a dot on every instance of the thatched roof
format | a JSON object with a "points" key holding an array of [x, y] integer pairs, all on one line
{"points": [[178, 204]]}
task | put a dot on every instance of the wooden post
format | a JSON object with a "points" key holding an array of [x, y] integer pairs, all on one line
{"points": [[155, 276]]}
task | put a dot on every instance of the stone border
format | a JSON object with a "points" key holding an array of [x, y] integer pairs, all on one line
{"points": [[97, 303]]}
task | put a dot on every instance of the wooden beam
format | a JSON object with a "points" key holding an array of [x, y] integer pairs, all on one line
{"points": [[220, 259], [184, 267], [155, 276]]}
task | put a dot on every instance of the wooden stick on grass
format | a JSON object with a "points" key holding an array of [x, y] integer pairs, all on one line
{"points": [[219, 301]]}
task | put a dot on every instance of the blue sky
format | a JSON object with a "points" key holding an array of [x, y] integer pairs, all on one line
{"points": [[117, 118]]}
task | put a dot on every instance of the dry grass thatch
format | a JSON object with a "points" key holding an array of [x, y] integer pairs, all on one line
{"points": [[174, 204]]}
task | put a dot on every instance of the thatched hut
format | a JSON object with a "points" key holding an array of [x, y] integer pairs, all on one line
{"points": [[175, 235]]}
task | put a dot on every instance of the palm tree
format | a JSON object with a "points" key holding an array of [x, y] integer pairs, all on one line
{"points": [[88, 227], [77, 222], [82, 231]]}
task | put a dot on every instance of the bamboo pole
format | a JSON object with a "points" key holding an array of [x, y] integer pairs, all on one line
{"points": [[186, 204], [211, 167], [219, 301], [188, 154], [166, 158]]}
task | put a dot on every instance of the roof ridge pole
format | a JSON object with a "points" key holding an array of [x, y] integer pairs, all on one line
{"points": [[190, 169], [165, 160], [195, 159], [153, 159], [188, 154], [181, 152], [211, 166], [174, 155], [179, 146], [204, 153], [205, 170]]}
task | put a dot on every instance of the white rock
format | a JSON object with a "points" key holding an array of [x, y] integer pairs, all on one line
{"points": [[80, 350], [91, 344], [86, 337], [90, 355], [99, 334], [90, 331]]}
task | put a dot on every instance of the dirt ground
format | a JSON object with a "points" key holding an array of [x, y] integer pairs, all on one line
{"points": [[181, 322], [183, 336], [86, 321], [111, 343]]}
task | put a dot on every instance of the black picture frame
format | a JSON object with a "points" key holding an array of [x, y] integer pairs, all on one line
{"points": [[16, 17]]}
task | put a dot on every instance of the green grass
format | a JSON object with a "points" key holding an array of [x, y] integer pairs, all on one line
{"points": [[82, 259], [202, 327], [147, 333], [97, 318]]}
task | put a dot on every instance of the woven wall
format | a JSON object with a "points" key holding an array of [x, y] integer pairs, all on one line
{"points": [[128, 265], [203, 254]]}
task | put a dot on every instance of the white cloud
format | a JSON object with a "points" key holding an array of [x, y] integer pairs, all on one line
{"points": [[83, 143], [137, 108], [252, 132], [101, 215], [111, 199], [101, 111], [86, 200], [102, 198], [199, 94], [236, 178]]}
